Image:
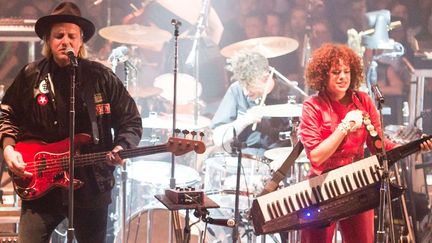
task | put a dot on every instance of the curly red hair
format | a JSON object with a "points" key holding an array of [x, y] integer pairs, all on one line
{"points": [[318, 69]]}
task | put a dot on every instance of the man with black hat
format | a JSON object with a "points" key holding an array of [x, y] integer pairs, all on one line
{"points": [[36, 107]]}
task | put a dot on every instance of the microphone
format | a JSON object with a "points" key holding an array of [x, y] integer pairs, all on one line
{"points": [[221, 222], [378, 95], [176, 22], [70, 53]]}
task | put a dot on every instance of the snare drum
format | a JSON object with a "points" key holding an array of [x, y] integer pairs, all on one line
{"points": [[221, 172]]}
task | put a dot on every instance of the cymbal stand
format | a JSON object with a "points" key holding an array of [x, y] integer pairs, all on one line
{"points": [[293, 84], [193, 57], [307, 49], [123, 179], [176, 24], [236, 145]]}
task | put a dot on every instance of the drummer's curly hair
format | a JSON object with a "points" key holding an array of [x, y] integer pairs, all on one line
{"points": [[247, 67], [317, 71]]}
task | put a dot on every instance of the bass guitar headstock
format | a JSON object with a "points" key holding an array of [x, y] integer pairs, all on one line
{"points": [[179, 146]]}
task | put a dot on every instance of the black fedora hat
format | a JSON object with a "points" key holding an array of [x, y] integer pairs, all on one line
{"points": [[65, 12]]}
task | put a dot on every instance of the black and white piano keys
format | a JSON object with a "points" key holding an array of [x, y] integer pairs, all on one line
{"points": [[309, 202]]}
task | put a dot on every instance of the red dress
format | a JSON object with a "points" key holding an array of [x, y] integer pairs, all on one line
{"points": [[320, 118]]}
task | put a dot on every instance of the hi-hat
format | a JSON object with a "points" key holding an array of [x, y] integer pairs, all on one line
{"points": [[186, 87], [269, 47], [281, 110], [135, 34]]}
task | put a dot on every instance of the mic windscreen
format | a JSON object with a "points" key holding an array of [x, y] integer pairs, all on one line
{"points": [[70, 51]]}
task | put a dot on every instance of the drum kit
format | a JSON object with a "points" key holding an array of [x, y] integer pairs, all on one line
{"points": [[148, 178]]}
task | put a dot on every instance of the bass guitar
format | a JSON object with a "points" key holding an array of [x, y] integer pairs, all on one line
{"points": [[49, 162]]}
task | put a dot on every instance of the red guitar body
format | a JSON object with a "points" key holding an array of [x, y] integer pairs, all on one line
{"points": [[47, 164]]}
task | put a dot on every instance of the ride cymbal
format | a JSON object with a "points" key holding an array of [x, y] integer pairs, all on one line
{"points": [[269, 47], [135, 34]]}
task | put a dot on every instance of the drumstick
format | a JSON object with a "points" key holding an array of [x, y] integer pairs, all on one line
{"points": [[264, 95]]}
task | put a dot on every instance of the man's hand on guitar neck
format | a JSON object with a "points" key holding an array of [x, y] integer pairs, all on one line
{"points": [[113, 157], [15, 162]]}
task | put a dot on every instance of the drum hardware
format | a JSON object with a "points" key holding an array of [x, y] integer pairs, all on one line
{"points": [[146, 179], [198, 207], [220, 174]]}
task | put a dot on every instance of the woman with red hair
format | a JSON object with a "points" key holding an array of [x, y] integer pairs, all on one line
{"points": [[333, 132]]}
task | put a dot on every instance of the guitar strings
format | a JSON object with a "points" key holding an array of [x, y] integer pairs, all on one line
{"points": [[52, 165]]}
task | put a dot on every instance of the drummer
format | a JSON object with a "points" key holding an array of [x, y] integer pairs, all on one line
{"points": [[240, 108]]}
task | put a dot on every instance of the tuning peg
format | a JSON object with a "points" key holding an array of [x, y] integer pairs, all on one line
{"points": [[201, 134], [185, 132], [193, 133], [177, 131]]}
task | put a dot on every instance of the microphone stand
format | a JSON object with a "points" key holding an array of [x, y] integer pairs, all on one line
{"points": [[124, 178], [195, 50], [175, 71], [236, 146], [385, 194], [306, 50], [71, 229]]}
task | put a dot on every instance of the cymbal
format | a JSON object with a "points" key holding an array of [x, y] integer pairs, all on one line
{"points": [[186, 86], [135, 34], [272, 46], [183, 121], [188, 10], [280, 154], [144, 92], [282, 110]]}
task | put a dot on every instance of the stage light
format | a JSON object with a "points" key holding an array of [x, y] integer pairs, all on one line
{"points": [[380, 21]]}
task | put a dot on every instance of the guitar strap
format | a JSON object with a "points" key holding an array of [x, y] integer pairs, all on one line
{"points": [[373, 134], [89, 91], [281, 173]]}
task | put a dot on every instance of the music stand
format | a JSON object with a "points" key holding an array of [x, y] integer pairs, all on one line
{"points": [[207, 203]]}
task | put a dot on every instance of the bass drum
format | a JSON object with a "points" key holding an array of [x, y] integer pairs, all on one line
{"points": [[154, 225], [145, 180], [150, 178]]}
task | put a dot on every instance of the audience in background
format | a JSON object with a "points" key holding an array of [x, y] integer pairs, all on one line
{"points": [[322, 21]]}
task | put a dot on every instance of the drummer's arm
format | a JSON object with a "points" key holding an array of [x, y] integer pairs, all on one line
{"points": [[223, 134]]}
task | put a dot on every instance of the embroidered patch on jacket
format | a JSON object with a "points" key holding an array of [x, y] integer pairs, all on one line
{"points": [[102, 109], [98, 98], [42, 99]]}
